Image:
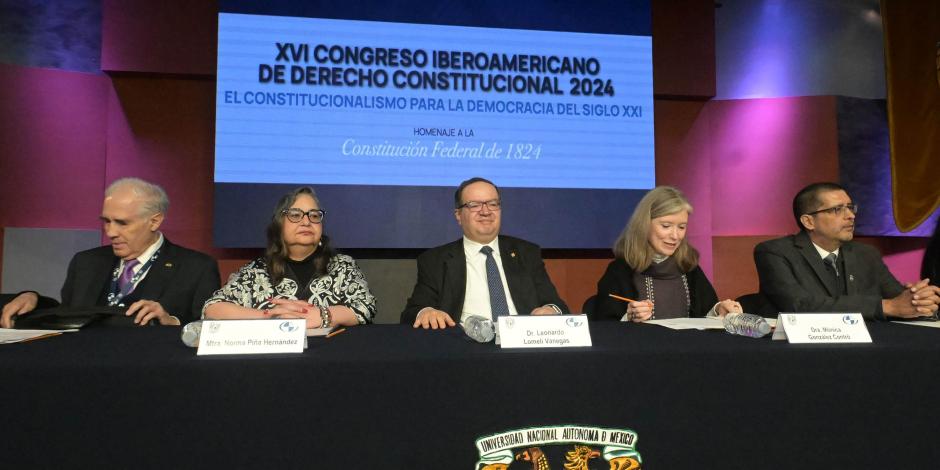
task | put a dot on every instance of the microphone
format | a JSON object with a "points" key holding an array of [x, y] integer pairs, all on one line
{"points": [[191, 332], [479, 329]]}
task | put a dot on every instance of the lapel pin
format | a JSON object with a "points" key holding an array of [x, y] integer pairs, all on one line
{"points": [[513, 254], [168, 265], [851, 278]]}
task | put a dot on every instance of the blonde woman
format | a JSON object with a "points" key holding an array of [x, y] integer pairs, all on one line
{"points": [[656, 267]]}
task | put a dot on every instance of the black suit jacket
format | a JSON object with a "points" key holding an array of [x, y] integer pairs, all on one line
{"points": [[442, 279], [794, 279], [180, 280], [618, 280]]}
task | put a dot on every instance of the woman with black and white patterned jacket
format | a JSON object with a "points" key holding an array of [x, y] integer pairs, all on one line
{"points": [[299, 276]]}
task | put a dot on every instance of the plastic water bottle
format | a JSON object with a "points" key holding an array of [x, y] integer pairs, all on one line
{"points": [[479, 329], [191, 332], [746, 324]]}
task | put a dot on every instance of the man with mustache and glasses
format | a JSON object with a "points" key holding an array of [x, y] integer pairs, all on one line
{"points": [[820, 269], [483, 274]]}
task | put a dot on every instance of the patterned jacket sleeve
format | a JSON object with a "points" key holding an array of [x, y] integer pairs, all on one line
{"points": [[351, 288], [248, 287]]}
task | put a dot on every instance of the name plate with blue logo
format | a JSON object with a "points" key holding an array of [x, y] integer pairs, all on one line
{"points": [[543, 331], [822, 328], [252, 336]]}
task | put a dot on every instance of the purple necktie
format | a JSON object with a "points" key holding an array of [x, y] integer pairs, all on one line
{"points": [[124, 283]]}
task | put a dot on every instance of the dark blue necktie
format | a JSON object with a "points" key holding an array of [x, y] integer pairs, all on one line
{"points": [[498, 303]]}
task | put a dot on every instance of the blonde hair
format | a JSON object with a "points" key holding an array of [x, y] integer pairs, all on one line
{"points": [[633, 245]]}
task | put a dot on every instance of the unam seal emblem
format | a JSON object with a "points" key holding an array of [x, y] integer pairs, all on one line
{"points": [[571, 447]]}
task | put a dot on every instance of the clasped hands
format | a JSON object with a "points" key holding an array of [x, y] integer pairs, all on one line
{"points": [[292, 308], [919, 299]]}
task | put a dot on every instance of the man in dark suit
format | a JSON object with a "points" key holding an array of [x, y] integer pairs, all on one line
{"points": [[821, 269], [142, 270], [484, 273]]}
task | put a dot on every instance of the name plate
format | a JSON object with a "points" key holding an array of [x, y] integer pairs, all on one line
{"points": [[252, 337], [543, 331], [822, 328]]}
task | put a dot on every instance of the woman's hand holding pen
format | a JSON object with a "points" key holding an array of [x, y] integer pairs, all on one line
{"points": [[639, 310]]}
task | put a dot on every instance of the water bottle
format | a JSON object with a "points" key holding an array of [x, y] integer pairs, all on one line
{"points": [[479, 329], [746, 324], [191, 332]]}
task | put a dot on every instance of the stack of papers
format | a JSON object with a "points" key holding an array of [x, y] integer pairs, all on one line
{"points": [[311, 332], [9, 336]]}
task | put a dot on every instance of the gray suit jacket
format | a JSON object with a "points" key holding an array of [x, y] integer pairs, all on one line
{"points": [[794, 278]]}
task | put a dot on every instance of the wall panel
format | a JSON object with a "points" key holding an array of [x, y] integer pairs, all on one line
{"points": [[166, 37], [763, 152], [53, 134]]}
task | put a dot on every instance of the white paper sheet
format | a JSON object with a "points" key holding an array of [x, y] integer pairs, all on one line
{"points": [[929, 324], [312, 332], [8, 336], [689, 323], [697, 323]]}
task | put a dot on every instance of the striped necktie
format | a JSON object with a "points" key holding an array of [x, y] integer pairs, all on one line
{"points": [[832, 263]]}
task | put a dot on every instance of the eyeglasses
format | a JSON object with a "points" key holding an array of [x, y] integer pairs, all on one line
{"points": [[477, 206], [837, 210], [315, 216]]}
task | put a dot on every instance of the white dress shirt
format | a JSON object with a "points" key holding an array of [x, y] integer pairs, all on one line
{"points": [[476, 299], [823, 253]]}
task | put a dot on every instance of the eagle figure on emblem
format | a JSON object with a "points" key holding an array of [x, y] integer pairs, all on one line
{"points": [[577, 458]]}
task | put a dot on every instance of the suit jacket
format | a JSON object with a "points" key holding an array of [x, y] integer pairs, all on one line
{"points": [[618, 280], [180, 279], [794, 279], [442, 279]]}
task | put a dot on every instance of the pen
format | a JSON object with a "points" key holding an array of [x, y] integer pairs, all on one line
{"points": [[48, 335], [334, 333], [621, 298]]}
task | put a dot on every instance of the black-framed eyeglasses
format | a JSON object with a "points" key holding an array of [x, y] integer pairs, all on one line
{"points": [[315, 216], [477, 206], [837, 210]]}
